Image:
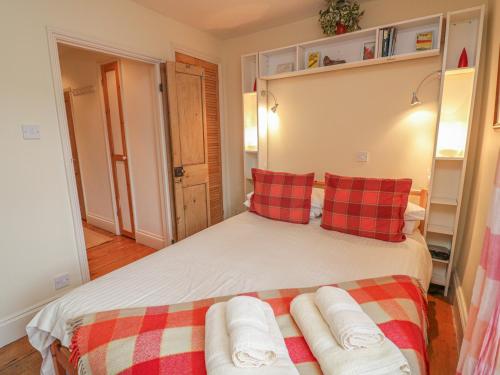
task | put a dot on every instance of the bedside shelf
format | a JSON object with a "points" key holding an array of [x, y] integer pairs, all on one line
{"points": [[448, 158], [440, 261], [439, 274], [440, 229], [444, 201]]}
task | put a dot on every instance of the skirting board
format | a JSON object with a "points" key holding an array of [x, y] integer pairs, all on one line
{"points": [[101, 222], [459, 306], [13, 327], [150, 239]]}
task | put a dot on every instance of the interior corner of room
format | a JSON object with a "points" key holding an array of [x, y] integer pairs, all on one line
{"points": [[128, 129]]}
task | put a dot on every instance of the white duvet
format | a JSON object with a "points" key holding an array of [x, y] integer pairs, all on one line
{"points": [[242, 254]]}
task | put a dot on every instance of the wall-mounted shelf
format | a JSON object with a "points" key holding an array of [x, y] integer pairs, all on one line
{"points": [[440, 261], [440, 229], [254, 119], [439, 271], [444, 201], [349, 47], [458, 87]]}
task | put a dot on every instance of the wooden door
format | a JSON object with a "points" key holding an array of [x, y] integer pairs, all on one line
{"points": [[213, 133], [188, 139], [74, 154], [118, 147]]}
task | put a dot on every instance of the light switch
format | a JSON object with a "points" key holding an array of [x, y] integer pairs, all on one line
{"points": [[362, 156], [30, 131]]}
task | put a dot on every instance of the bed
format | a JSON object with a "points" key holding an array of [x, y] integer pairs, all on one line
{"points": [[245, 253]]}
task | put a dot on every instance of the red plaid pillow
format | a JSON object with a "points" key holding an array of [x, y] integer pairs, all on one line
{"points": [[367, 207], [282, 196]]}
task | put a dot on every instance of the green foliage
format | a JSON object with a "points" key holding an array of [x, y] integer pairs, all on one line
{"points": [[346, 12]]}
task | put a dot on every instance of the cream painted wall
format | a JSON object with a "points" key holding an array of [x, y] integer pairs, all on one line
{"points": [[325, 119], [81, 69], [372, 100], [37, 240], [483, 166]]}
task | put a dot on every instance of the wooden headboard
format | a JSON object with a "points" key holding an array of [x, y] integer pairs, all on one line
{"points": [[416, 196]]}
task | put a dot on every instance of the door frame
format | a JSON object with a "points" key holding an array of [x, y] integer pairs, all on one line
{"points": [[126, 160], [224, 149], [68, 91], [54, 37]]}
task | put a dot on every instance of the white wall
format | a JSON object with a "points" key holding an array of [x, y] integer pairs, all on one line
{"points": [[81, 69], [37, 241], [326, 118], [483, 167]]}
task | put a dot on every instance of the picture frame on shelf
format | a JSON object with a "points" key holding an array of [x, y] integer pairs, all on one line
{"points": [[313, 60], [424, 41], [496, 119], [284, 68], [368, 50]]}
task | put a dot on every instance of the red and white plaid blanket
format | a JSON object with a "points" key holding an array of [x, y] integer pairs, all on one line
{"points": [[170, 339]]}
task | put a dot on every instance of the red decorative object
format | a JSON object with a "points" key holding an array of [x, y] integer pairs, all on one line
{"points": [[255, 85], [341, 29], [463, 62]]}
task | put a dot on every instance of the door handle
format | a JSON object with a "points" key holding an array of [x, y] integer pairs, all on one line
{"points": [[179, 171]]}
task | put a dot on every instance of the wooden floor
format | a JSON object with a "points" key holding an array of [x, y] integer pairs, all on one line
{"points": [[20, 358], [114, 254]]}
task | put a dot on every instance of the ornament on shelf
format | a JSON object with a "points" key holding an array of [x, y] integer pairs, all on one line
{"points": [[327, 61], [463, 62]]}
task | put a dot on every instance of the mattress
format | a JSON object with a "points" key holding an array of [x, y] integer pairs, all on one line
{"points": [[245, 253]]}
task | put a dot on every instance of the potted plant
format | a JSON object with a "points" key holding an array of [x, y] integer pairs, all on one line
{"points": [[340, 16]]}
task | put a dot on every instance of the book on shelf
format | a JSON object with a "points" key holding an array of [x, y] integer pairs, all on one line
{"points": [[388, 41]]}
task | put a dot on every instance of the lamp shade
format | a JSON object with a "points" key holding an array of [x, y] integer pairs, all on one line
{"points": [[415, 100]]}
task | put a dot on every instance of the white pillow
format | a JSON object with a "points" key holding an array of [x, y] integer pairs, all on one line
{"points": [[318, 198], [414, 212], [411, 226]]}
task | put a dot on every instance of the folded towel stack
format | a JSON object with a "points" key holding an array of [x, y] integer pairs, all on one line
{"points": [[251, 342], [349, 324], [243, 337], [372, 355]]}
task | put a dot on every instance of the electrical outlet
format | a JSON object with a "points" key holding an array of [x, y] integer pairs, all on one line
{"points": [[30, 131], [61, 281], [362, 156]]}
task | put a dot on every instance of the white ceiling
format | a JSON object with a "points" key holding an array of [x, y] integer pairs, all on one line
{"points": [[231, 18]]}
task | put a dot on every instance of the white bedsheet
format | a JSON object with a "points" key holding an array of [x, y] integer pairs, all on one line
{"points": [[242, 254]]}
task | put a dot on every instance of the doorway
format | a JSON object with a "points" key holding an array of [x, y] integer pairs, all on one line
{"points": [[115, 132]]}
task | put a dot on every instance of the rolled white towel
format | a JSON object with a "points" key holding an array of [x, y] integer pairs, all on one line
{"points": [[251, 341], [218, 359], [350, 325], [384, 359]]}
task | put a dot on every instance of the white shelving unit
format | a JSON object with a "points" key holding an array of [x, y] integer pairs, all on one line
{"points": [[458, 87], [349, 47], [254, 118]]}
